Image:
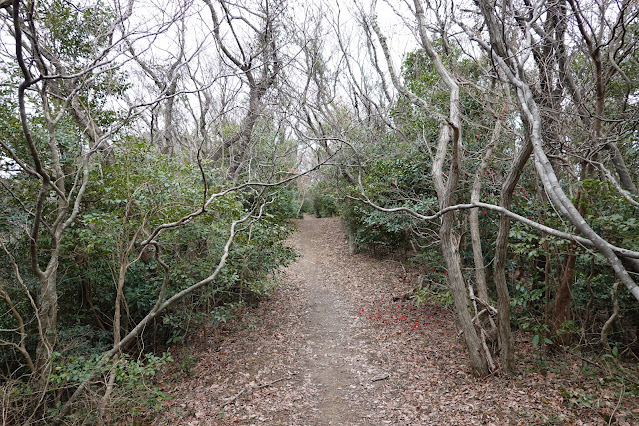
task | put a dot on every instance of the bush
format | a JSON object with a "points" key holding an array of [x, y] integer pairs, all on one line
{"points": [[126, 199], [324, 206], [322, 200], [397, 181]]}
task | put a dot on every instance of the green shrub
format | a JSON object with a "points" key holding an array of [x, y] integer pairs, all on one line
{"points": [[124, 201], [324, 206]]}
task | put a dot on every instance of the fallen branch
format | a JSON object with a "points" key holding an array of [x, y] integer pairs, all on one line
{"points": [[475, 319], [491, 309], [379, 378], [489, 357], [252, 388]]}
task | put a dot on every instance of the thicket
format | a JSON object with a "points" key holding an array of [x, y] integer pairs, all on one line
{"points": [[600, 316], [130, 195], [126, 221]]}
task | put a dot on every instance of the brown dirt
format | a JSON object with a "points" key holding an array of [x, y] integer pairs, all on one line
{"points": [[332, 347]]}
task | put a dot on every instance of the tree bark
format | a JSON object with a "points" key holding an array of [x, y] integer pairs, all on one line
{"points": [[450, 134], [561, 306], [506, 345]]}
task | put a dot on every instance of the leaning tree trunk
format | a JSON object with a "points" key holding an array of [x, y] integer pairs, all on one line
{"points": [[450, 135], [478, 361], [506, 345]]}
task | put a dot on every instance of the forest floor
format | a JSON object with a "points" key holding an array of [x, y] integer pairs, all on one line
{"points": [[338, 344]]}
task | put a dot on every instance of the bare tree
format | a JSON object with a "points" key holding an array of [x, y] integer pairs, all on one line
{"points": [[259, 65]]}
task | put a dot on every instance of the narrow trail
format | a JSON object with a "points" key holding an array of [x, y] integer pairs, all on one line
{"points": [[335, 363], [338, 344]]}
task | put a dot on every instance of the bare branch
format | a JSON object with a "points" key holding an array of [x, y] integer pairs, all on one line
{"points": [[499, 209]]}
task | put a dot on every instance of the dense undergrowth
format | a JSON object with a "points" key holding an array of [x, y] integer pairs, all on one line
{"points": [[535, 259], [127, 198]]}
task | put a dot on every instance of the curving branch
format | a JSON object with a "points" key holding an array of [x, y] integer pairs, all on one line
{"points": [[160, 306], [626, 253], [188, 218]]}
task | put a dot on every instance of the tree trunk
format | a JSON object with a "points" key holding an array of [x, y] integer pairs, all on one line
{"points": [[506, 345], [561, 306], [450, 135], [478, 361], [47, 317], [473, 223], [622, 171]]}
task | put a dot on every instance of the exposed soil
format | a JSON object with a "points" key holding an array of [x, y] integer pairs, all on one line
{"points": [[339, 344]]}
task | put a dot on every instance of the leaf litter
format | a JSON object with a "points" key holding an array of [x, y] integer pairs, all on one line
{"points": [[338, 343]]}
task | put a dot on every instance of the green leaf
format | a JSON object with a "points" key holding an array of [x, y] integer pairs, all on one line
{"points": [[536, 340]]}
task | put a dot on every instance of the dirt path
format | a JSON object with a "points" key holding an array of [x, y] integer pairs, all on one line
{"points": [[334, 361], [336, 344]]}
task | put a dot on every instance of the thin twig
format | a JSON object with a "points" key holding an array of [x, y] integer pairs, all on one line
{"points": [[612, 415], [252, 388], [379, 378]]}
